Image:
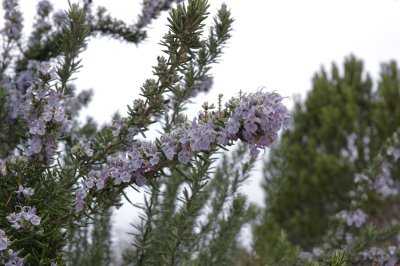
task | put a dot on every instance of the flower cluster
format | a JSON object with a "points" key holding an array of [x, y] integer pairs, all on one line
{"points": [[152, 8], [253, 118], [205, 85], [256, 119], [393, 152], [42, 23], [25, 191], [43, 112], [44, 7], [309, 256], [3, 240], [356, 218], [21, 219], [384, 183], [380, 256], [75, 104], [13, 259], [13, 20]]}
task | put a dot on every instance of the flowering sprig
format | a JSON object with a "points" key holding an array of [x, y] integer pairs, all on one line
{"points": [[13, 20], [11, 33], [42, 25], [253, 118], [45, 117]]}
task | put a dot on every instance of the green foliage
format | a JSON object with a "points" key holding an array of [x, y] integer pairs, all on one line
{"points": [[192, 213], [52, 185], [341, 125], [90, 243]]}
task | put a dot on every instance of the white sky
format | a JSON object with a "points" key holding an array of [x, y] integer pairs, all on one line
{"points": [[275, 44]]}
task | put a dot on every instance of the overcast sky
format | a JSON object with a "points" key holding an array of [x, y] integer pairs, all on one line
{"points": [[276, 44]]}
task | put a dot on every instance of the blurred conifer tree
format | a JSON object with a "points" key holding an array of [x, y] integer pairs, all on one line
{"points": [[336, 131]]}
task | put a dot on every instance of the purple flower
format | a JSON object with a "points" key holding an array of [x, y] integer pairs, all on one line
{"points": [[59, 115], [254, 119], [24, 80], [205, 85], [46, 68], [118, 126], [151, 9], [125, 177], [60, 19], [250, 120], [358, 178], [44, 7], [18, 219], [14, 219], [223, 136], [101, 180], [356, 218], [150, 150], [13, 20], [25, 191], [89, 183], [50, 148], [34, 145], [3, 240], [87, 149], [254, 151], [140, 179], [13, 259], [168, 146], [233, 125], [201, 135], [184, 155], [79, 198], [53, 100], [394, 152], [37, 127]]}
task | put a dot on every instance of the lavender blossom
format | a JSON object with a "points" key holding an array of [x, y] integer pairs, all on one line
{"points": [[152, 8], [356, 218], [60, 19], [14, 260], [46, 68], [205, 85], [3, 240], [358, 178], [384, 183], [250, 112], [394, 152], [79, 198], [24, 80], [140, 179], [118, 126], [13, 20], [44, 7], [26, 214], [25, 191], [46, 118], [88, 150]]}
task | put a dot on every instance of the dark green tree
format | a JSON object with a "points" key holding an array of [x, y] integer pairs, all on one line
{"points": [[336, 131]]}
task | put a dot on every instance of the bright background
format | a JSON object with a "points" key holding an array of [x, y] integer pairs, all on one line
{"points": [[278, 45]]}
